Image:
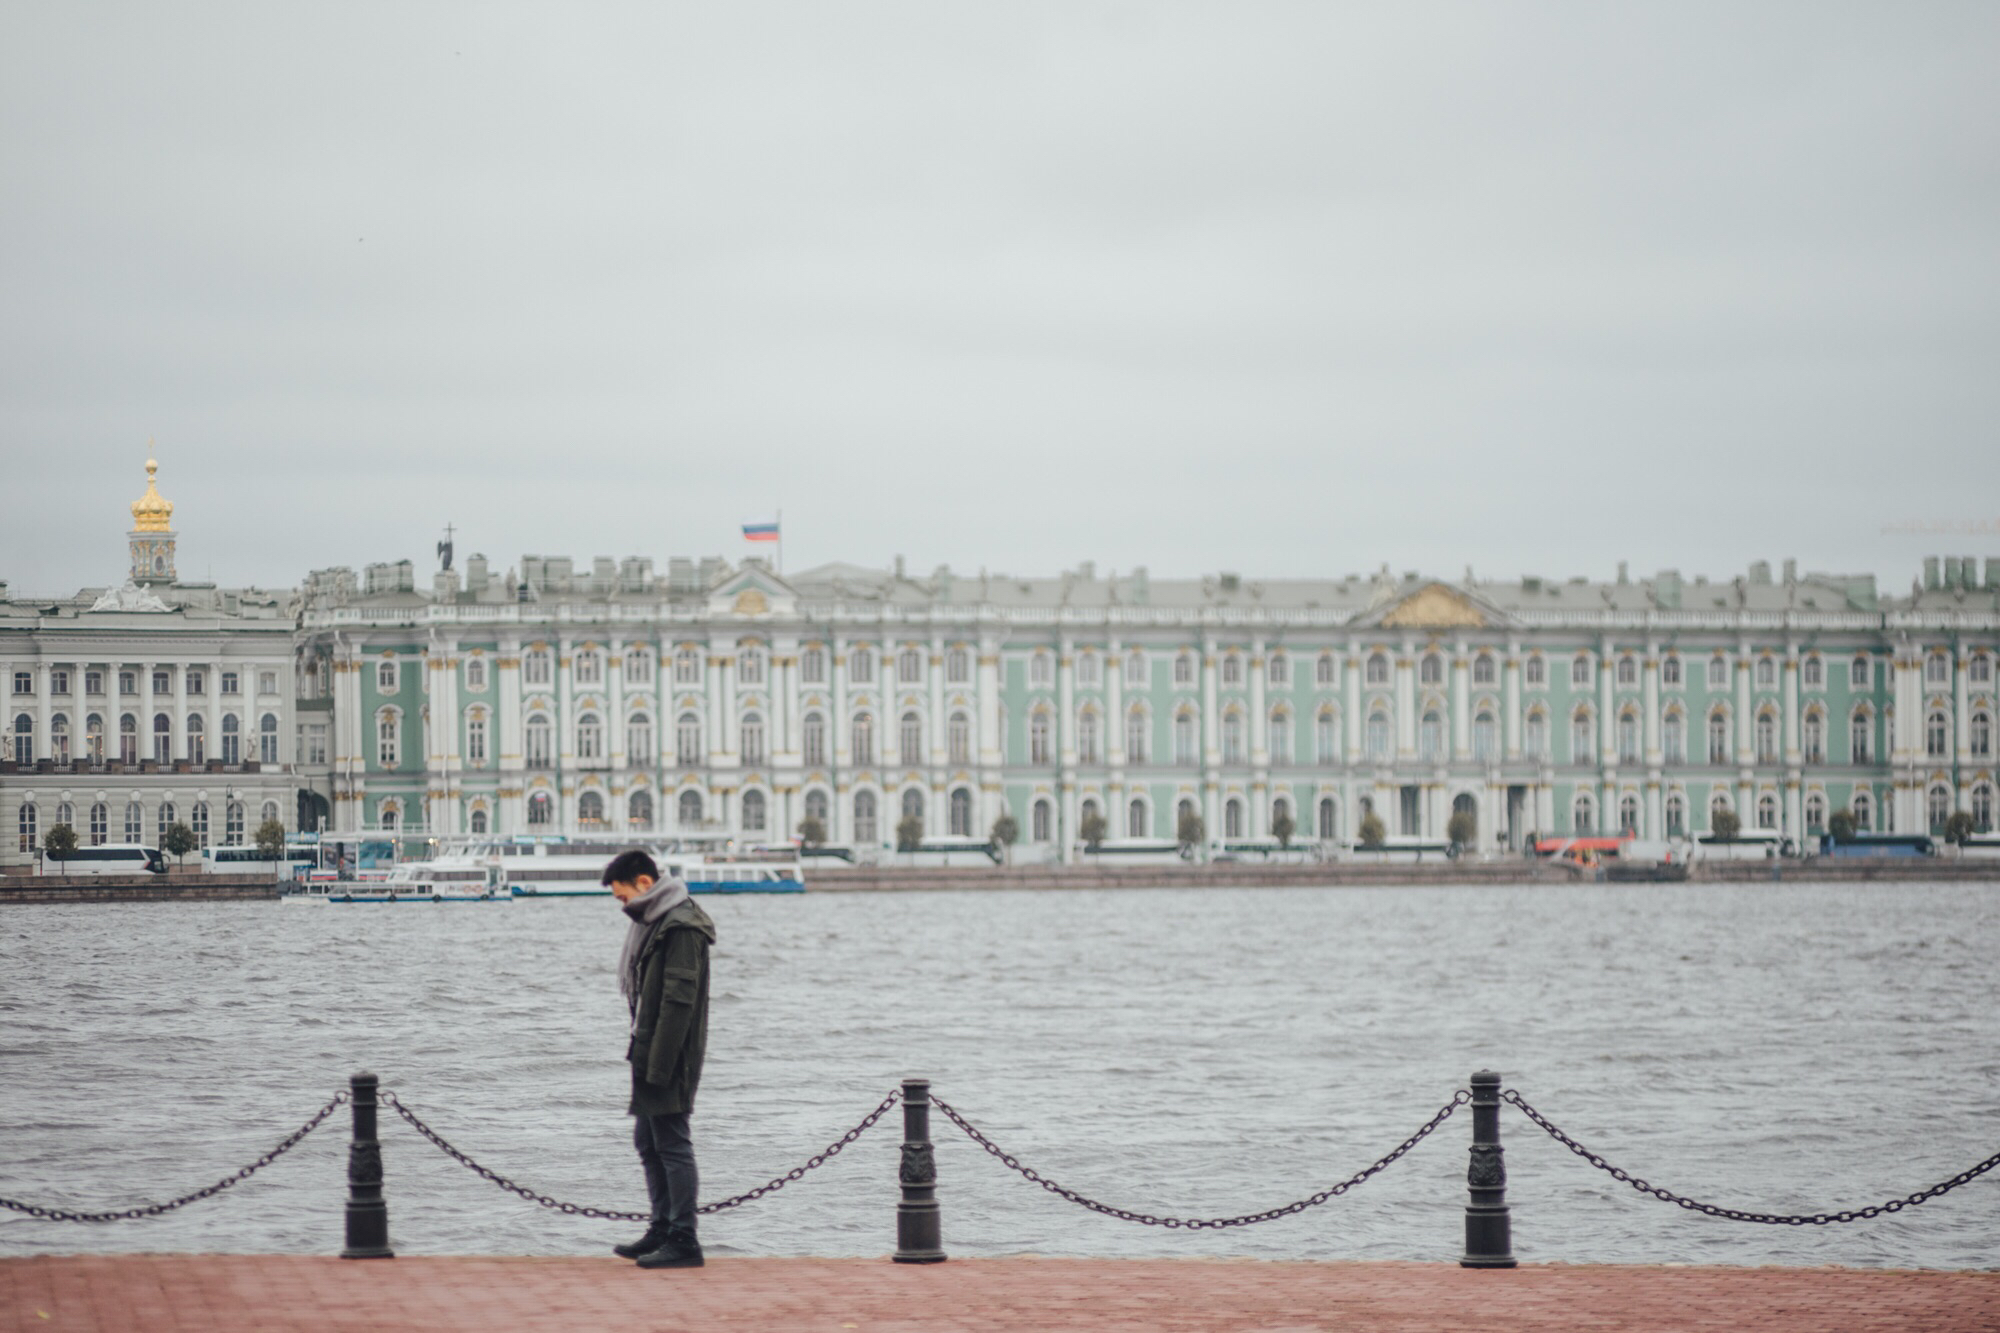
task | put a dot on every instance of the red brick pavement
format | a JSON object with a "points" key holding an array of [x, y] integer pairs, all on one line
{"points": [[169, 1293]]}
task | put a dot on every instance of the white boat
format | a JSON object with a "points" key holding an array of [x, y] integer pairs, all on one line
{"points": [[444, 879], [574, 867]]}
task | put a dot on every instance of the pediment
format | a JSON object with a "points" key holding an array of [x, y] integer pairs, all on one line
{"points": [[1439, 606], [751, 592]]}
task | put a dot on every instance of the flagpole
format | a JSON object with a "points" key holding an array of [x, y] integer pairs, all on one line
{"points": [[781, 543]]}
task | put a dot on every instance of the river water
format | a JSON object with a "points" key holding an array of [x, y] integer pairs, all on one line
{"points": [[1784, 1048]]}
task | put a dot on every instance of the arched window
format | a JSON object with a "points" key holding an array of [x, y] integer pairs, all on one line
{"points": [[1535, 672], [1815, 813], [751, 733], [590, 811], [1677, 815], [750, 665], [1579, 670], [817, 806], [1812, 672], [639, 811], [1767, 738], [1718, 672], [541, 810], [1329, 819], [135, 821], [913, 803], [1378, 735], [958, 738], [1232, 737], [1184, 738], [198, 820], [1718, 803], [1378, 669], [479, 822], [1628, 738], [232, 824], [1861, 736], [910, 666], [1980, 670], [1485, 737], [1583, 815], [165, 820], [93, 738], [66, 816], [1430, 736], [385, 676], [388, 738], [535, 667], [475, 673], [1430, 671], [1857, 674], [1087, 673], [1232, 668], [1278, 671], [1673, 738], [753, 811], [910, 739], [1582, 737], [1136, 824], [688, 810], [813, 739], [1864, 811], [687, 740], [100, 824], [1670, 670], [1937, 734], [812, 666], [1041, 668], [864, 817], [1326, 737], [588, 666], [1980, 735], [1718, 737], [535, 737], [1137, 733], [589, 736], [1628, 814], [1482, 669], [267, 739], [1937, 806], [268, 813], [163, 739], [1324, 670], [639, 740], [1039, 751], [1535, 735], [1039, 829], [957, 666], [29, 829], [959, 813], [1982, 807], [1184, 669], [197, 743], [1086, 736], [128, 741], [1767, 811], [1812, 737], [1628, 670], [1937, 669], [1232, 818], [1135, 668], [687, 665], [1767, 673], [863, 735], [1281, 736]]}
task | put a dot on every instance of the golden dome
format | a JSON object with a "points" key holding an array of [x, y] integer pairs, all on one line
{"points": [[152, 512]]}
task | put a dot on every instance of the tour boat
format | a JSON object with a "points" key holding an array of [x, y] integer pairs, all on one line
{"points": [[445, 879]]}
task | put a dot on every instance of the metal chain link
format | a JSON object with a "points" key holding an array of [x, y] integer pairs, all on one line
{"points": [[290, 1142], [1460, 1098], [579, 1210], [1736, 1214]]}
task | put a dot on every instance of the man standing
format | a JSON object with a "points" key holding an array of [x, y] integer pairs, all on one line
{"points": [[664, 974]]}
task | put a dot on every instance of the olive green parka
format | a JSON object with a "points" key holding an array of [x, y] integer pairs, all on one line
{"points": [[670, 1024]]}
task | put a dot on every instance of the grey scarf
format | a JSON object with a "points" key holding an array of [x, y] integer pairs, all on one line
{"points": [[645, 911]]}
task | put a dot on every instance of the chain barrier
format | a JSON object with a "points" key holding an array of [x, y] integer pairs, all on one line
{"points": [[290, 1142], [1460, 1098], [1736, 1214], [776, 1183]]}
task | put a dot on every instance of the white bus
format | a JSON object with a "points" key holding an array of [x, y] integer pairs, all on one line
{"points": [[1751, 844], [250, 861], [111, 858]]}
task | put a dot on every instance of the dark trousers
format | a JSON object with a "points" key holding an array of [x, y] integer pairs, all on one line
{"points": [[666, 1151]]}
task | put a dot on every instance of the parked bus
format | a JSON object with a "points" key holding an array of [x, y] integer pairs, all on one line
{"points": [[293, 863], [111, 858], [1406, 848], [1751, 844], [1878, 844]]}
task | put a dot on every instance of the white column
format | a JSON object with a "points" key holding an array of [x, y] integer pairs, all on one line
{"points": [[1650, 704], [1406, 703], [146, 710], [1511, 708], [510, 810], [1607, 711], [614, 717], [1461, 705], [1350, 720], [1259, 738], [722, 697]]}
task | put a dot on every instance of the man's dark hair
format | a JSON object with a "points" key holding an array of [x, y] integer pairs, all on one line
{"points": [[626, 867]]}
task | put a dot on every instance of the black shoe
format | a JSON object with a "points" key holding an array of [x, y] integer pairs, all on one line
{"points": [[680, 1250], [655, 1236]]}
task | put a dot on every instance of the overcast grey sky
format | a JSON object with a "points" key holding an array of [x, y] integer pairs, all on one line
{"points": [[1285, 289]]}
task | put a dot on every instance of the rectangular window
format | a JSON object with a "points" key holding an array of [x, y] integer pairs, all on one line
{"points": [[315, 743], [475, 739], [197, 683], [59, 681], [24, 682], [267, 682], [812, 666], [128, 685], [231, 683], [687, 667], [163, 682], [93, 682]]}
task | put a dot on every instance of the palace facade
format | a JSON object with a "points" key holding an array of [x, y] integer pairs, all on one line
{"points": [[725, 698]]}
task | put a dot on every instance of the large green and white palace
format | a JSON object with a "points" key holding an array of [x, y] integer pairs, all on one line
{"points": [[725, 698]]}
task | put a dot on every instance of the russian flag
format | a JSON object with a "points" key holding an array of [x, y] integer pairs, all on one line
{"points": [[760, 532]]}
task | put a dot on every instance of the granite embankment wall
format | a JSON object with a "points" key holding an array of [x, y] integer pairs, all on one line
{"points": [[191, 888]]}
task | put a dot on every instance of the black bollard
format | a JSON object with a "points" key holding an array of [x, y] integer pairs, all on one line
{"points": [[367, 1214], [1489, 1241], [919, 1234]]}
